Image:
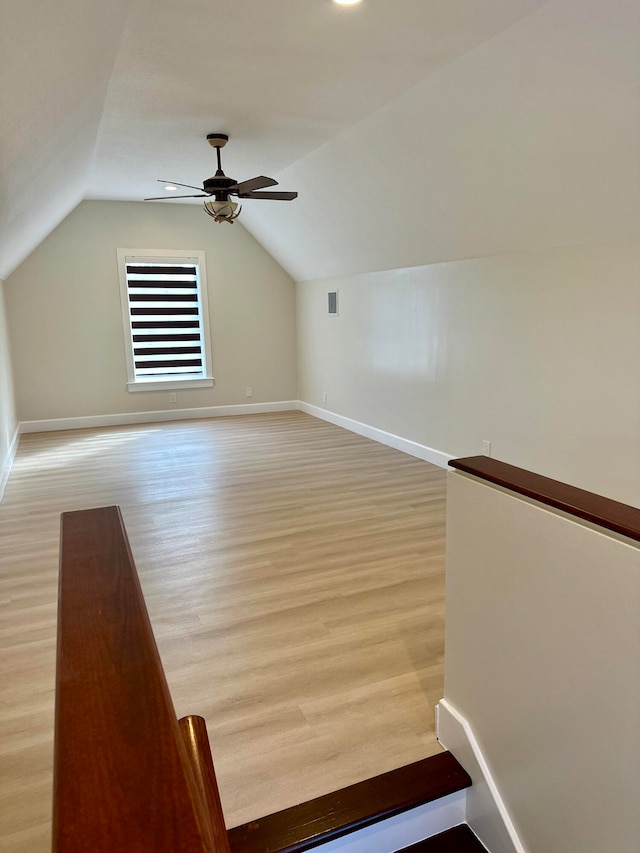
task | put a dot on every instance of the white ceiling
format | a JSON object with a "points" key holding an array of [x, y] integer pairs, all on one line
{"points": [[99, 98], [528, 142]]}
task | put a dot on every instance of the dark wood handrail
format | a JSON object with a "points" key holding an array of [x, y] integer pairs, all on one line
{"points": [[196, 739], [125, 777], [607, 513]]}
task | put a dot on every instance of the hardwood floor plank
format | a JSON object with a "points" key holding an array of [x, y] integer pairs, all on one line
{"points": [[294, 576]]}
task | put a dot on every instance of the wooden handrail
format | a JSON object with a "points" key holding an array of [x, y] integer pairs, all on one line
{"points": [[125, 776], [196, 739], [607, 513]]}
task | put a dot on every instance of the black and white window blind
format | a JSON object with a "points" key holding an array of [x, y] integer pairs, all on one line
{"points": [[165, 316]]}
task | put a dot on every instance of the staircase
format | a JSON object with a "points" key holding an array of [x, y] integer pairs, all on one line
{"points": [[129, 775], [365, 804], [459, 839]]}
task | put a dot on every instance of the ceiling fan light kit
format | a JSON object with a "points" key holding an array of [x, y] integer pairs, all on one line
{"points": [[218, 188], [223, 211]]}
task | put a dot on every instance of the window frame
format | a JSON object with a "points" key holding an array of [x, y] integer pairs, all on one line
{"points": [[168, 256]]}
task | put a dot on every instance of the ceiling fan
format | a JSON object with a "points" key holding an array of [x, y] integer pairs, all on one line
{"points": [[222, 208]]}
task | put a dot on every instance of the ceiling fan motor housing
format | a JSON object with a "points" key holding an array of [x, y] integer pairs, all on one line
{"points": [[219, 184]]}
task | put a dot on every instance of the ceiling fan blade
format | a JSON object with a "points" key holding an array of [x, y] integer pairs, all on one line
{"points": [[252, 184], [171, 197], [282, 196], [174, 184]]}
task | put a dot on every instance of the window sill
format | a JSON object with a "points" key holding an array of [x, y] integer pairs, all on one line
{"points": [[170, 384]]}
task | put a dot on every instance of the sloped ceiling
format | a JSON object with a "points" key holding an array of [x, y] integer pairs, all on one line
{"points": [[56, 61], [99, 98], [530, 141]]}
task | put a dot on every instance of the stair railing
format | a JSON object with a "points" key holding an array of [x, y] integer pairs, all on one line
{"points": [[128, 775]]}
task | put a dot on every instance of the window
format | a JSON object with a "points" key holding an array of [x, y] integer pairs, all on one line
{"points": [[165, 317]]}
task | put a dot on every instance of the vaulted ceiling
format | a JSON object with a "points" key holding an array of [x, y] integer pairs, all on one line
{"points": [[364, 110]]}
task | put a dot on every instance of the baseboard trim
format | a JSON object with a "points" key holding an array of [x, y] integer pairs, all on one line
{"points": [[413, 448], [88, 421], [486, 812], [7, 462]]}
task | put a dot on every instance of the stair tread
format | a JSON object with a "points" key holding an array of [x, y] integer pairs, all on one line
{"points": [[460, 839], [340, 812]]}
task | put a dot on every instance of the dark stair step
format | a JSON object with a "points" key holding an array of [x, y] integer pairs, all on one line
{"points": [[333, 815], [460, 839]]}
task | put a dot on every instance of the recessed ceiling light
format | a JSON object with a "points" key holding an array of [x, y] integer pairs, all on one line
{"points": [[171, 188], [346, 2]]}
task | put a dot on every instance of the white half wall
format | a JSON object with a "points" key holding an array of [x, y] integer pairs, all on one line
{"points": [[541, 660], [8, 420], [536, 352], [63, 308]]}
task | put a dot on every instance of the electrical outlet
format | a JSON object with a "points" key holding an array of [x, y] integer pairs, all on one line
{"points": [[486, 448], [248, 391], [324, 396], [172, 397]]}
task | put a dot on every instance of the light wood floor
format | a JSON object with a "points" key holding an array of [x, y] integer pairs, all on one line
{"points": [[294, 575]]}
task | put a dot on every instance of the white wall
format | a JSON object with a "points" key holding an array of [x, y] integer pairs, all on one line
{"points": [[63, 306], [537, 352], [8, 421], [494, 293], [542, 639]]}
